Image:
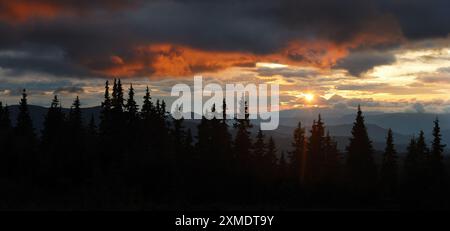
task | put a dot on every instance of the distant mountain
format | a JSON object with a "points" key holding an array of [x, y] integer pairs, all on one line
{"points": [[38, 114], [409, 123], [404, 125]]}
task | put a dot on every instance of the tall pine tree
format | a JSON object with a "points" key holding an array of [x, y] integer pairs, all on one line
{"points": [[389, 168], [298, 154], [361, 168]]}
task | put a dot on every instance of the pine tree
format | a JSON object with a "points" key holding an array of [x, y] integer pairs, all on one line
{"points": [[417, 173], [147, 107], [24, 125], [117, 97], [242, 151], [438, 178], [389, 168], [437, 150], [77, 156], [361, 167], [53, 123], [105, 113], [332, 168], [298, 155], [75, 117], [412, 163], [131, 106], [242, 142], [259, 147], [270, 157], [5, 141], [315, 160], [179, 134], [52, 163], [223, 137], [422, 151]]}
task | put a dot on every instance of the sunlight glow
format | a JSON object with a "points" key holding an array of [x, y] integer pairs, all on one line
{"points": [[270, 65], [308, 97]]}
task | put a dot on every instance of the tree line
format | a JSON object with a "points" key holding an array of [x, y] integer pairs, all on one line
{"points": [[138, 157]]}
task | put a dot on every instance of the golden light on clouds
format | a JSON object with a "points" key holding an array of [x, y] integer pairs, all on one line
{"points": [[308, 97]]}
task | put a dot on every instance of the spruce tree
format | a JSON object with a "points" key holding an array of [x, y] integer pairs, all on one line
{"points": [[75, 117], [438, 178], [77, 154], [117, 97], [389, 168], [52, 163], [148, 108], [423, 152], [437, 150], [131, 106], [412, 163], [361, 168], [270, 157], [417, 173], [5, 141], [259, 147], [315, 158], [332, 168], [105, 113], [298, 154], [53, 124], [242, 141], [24, 125], [243, 155]]}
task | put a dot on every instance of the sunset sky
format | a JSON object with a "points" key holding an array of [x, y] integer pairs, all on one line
{"points": [[387, 55]]}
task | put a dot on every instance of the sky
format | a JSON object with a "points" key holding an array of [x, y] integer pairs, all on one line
{"points": [[385, 55]]}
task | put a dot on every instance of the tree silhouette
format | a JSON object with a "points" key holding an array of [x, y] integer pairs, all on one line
{"points": [[315, 158], [131, 106], [361, 169], [147, 160], [389, 168], [438, 179], [242, 152], [332, 162], [298, 154], [5, 141], [437, 150], [24, 126], [24, 146], [260, 150], [105, 113]]}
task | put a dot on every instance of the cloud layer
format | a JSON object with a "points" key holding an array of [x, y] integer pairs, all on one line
{"points": [[178, 38]]}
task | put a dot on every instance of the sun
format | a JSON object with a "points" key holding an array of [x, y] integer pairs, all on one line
{"points": [[308, 97]]}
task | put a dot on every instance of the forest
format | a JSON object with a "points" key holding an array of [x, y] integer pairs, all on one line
{"points": [[137, 157]]}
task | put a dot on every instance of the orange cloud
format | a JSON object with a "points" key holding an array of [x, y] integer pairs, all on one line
{"points": [[178, 60], [20, 11]]}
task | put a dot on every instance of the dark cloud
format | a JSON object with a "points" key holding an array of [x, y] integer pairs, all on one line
{"points": [[69, 90], [286, 72], [439, 78], [420, 18], [47, 61], [94, 35], [362, 87], [360, 62]]}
